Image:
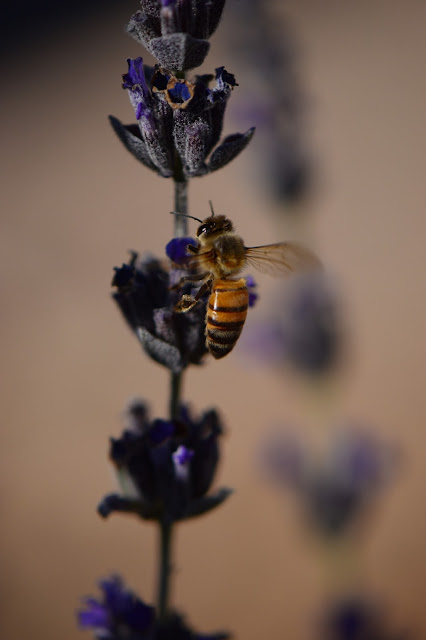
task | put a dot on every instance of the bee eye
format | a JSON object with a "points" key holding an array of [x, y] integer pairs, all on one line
{"points": [[204, 228]]}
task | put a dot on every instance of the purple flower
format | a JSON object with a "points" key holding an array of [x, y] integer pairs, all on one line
{"points": [[179, 93], [225, 82], [176, 249], [176, 32], [354, 618], [121, 615], [146, 301], [306, 332], [118, 614], [140, 97], [181, 459], [166, 468], [336, 490], [251, 286], [310, 324], [179, 122]]}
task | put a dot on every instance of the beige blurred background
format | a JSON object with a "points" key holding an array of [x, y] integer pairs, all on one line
{"points": [[74, 202]]}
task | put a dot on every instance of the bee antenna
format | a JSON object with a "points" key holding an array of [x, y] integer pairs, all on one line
{"points": [[186, 215], [211, 207]]}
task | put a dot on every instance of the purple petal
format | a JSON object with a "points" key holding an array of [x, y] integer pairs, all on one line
{"points": [[223, 76], [176, 249], [182, 455], [96, 616], [161, 430], [181, 461], [135, 74]]}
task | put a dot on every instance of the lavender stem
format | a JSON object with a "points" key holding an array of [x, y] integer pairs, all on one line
{"points": [[181, 205], [165, 570], [180, 229], [176, 385]]}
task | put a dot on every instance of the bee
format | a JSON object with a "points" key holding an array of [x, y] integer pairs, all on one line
{"points": [[220, 256]]}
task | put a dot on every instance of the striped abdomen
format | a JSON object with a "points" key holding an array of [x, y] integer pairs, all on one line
{"points": [[226, 314]]}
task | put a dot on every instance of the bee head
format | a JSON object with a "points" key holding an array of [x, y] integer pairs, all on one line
{"points": [[214, 225]]}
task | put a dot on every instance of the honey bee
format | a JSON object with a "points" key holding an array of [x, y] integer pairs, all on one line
{"points": [[220, 255]]}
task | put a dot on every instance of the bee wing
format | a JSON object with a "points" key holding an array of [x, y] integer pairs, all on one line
{"points": [[282, 258]]}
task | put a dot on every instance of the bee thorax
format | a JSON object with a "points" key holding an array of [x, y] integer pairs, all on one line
{"points": [[230, 254]]}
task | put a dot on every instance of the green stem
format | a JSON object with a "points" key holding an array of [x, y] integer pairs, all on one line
{"points": [[165, 570], [175, 391]]}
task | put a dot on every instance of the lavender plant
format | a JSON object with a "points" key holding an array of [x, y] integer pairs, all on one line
{"points": [[165, 467]]}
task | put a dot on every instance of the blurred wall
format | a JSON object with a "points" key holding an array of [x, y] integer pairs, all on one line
{"points": [[74, 202]]}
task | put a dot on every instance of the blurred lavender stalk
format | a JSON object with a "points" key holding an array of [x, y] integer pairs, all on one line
{"points": [[337, 492], [337, 486], [272, 99]]}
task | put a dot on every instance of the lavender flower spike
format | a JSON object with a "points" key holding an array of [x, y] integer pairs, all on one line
{"points": [[176, 32], [118, 614], [152, 128], [165, 468], [179, 121]]}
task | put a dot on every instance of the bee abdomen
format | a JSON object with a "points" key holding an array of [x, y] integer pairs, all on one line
{"points": [[226, 314]]}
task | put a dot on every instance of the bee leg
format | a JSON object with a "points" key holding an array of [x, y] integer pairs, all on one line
{"points": [[186, 303], [192, 248], [194, 278]]}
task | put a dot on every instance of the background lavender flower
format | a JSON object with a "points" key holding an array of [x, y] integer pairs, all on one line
{"points": [[334, 491], [311, 327], [306, 332], [356, 618], [252, 288]]}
